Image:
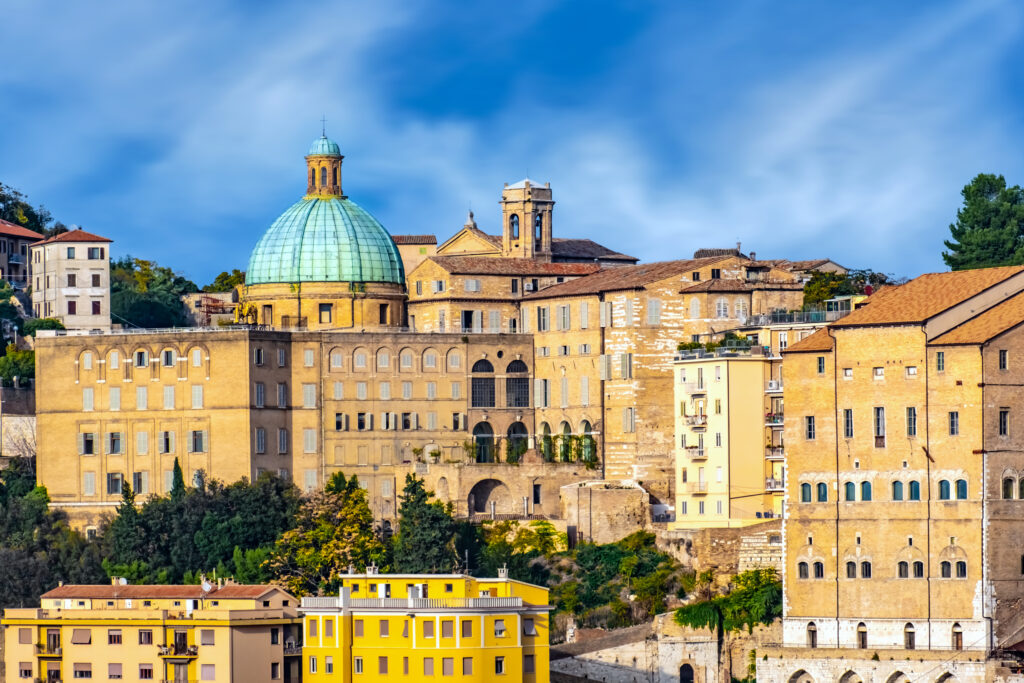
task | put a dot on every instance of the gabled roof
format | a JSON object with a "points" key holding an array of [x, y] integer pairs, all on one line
{"points": [[565, 247], [486, 265], [817, 342], [807, 265], [988, 324], [414, 239], [187, 592], [522, 184], [77, 235], [15, 230], [736, 285], [926, 296], [623, 277]]}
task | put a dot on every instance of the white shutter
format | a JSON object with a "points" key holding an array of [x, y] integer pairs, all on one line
{"points": [[654, 312], [584, 323], [170, 448], [538, 393], [605, 363], [206, 441], [565, 392], [605, 310], [478, 321], [81, 444], [584, 390], [415, 420], [495, 321], [629, 312]]}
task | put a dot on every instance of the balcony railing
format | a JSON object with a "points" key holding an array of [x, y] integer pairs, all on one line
{"points": [[48, 650], [292, 650], [697, 487], [773, 419], [786, 318], [697, 420], [696, 452], [772, 484], [178, 650], [411, 603], [774, 452], [773, 386], [694, 388], [16, 258]]}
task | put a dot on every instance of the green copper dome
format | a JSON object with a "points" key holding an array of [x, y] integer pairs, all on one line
{"points": [[325, 145], [327, 239]]}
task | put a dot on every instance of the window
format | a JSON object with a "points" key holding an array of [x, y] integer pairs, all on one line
{"points": [[261, 440], [467, 666], [146, 672], [940, 361], [944, 491], [282, 440], [1004, 421], [312, 665], [208, 672], [865, 490], [911, 371], [961, 489], [878, 373], [257, 356], [911, 421], [72, 307], [88, 401], [428, 629], [908, 635], [499, 665], [809, 427], [961, 569], [259, 395], [428, 666], [819, 570], [654, 312], [529, 664], [1003, 359], [309, 396], [282, 395], [945, 569], [115, 398], [115, 482], [879, 427], [919, 570], [543, 318], [169, 358], [87, 444], [197, 396], [145, 637], [954, 423], [915, 490], [847, 373], [903, 570], [897, 490], [168, 398], [851, 570], [382, 665], [822, 490], [802, 570], [467, 626], [499, 628], [821, 365], [850, 491], [865, 570], [114, 636], [1008, 486], [324, 311]]}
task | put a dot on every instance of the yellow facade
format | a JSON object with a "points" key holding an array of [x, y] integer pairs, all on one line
{"points": [[229, 633], [352, 306], [427, 627], [729, 451]]}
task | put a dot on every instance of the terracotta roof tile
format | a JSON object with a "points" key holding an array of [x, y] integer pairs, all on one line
{"points": [[734, 285], [988, 324], [707, 253], [623, 277], [414, 239], [819, 341], [109, 592], [15, 230], [485, 265], [563, 247], [926, 296], [78, 235]]}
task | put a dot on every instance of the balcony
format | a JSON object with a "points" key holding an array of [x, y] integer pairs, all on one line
{"points": [[773, 386], [292, 649], [773, 420], [335, 602], [697, 487], [696, 453], [16, 259], [773, 484], [696, 420], [48, 650], [178, 651], [774, 453]]}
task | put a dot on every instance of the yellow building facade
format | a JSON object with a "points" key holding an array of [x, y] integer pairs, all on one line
{"points": [[903, 492], [427, 627], [215, 632]]}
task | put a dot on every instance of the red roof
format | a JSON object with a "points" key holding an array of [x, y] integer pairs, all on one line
{"points": [[110, 592], [624, 277], [15, 230], [77, 235], [414, 239], [484, 265]]}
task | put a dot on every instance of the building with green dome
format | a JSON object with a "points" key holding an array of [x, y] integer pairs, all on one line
{"points": [[325, 263]]}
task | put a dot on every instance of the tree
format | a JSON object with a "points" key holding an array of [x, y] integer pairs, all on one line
{"points": [[145, 294], [14, 208], [177, 482], [226, 281], [827, 285], [989, 228], [15, 363], [35, 324], [334, 530], [425, 543]]}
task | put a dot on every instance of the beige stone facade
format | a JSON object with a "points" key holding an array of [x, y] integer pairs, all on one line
{"points": [[70, 277], [15, 241]]}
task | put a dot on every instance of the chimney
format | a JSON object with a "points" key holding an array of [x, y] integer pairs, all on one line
{"points": [[738, 246], [753, 256], [503, 572], [113, 580]]}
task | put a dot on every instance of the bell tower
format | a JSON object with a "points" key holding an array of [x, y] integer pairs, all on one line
{"points": [[323, 169], [526, 212]]}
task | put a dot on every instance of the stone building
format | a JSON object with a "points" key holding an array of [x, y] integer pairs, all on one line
{"points": [[414, 249], [903, 485], [14, 244], [71, 280]]}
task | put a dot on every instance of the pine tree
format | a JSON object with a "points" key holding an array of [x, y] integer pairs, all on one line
{"points": [[177, 482], [425, 543], [989, 228]]}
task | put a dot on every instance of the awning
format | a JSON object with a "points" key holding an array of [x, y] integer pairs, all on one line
{"points": [[81, 636]]}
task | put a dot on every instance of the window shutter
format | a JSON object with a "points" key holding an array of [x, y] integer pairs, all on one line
{"points": [[625, 420], [584, 323], [584, 390], [191, 442], [495, 321], [538, 392], [206, 440], [81, 444], [605, 362], [170, 436], [654, 312], [415, 420], [478, 321]]}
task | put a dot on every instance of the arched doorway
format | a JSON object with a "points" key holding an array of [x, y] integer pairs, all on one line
{"points": [[490, 491], [483, 437], [565, 443], [546, 448], [518, 439], [686, 674], [588, 447]]}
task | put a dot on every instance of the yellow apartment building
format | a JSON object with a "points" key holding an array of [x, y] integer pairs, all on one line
{"points": [[211, 632], [730, 464], [425, 627], [904, 508]]}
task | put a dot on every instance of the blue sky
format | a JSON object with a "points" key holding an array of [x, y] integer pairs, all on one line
{"points": [[801, 129]]}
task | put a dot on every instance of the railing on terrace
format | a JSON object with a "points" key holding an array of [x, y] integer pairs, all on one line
{"points": [[46, 649], [292, 650], [697, 420], [696, 487], [773, 484], [264, 328], [694, 387], [411, 603], [773, 418], [919, 647], [791, 317], [774, 452], [695, 452]]}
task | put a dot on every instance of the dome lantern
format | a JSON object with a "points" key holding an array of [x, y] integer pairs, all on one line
{"points": [[323, 168]]}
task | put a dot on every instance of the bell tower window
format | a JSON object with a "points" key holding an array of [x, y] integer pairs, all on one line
{"points": [[513, 226], [323, 176], [538, 226], [335, 176]]}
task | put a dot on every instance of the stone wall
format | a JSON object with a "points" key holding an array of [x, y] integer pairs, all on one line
{"points": [[603, 512], [801, 665]]}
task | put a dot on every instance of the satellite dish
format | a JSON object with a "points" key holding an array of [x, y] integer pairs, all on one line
{"points": [[123, 581], [207, 586]]}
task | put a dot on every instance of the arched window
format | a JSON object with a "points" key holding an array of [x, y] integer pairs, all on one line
{"points": [[518, 439], [483, 437], [850, 491], [565, 443], [482, 387], [961, 569], [1020, 488], [908, 637], [545, 441], [323, 176], [919, 570], [822, 493], [915, 490], [513, 226], [958, 637], [865, 490], [819, 570], [1008, 486], [943, 490], [312, 177], [694, 307], [897, 490], [1022, 564], [805, 493], [538, 226], [517, 385], [722, 308], [812, 635], [862, 636], [945, 569], [851, 570], [903, 570], [589, 447], [335, 174], [801, 569], [865, 570], [961, 489]]}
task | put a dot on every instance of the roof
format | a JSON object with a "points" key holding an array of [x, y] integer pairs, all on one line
{"points": [[623, 277], [110, 592], [76, 235], [414, 239], [806, 265], [15, 230], [324, 146], [325, 240], [926, 296], [522, 184], [819, 341], [706, 253], [735, 285], [486, 265], [564, 247], [988, 324]]}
